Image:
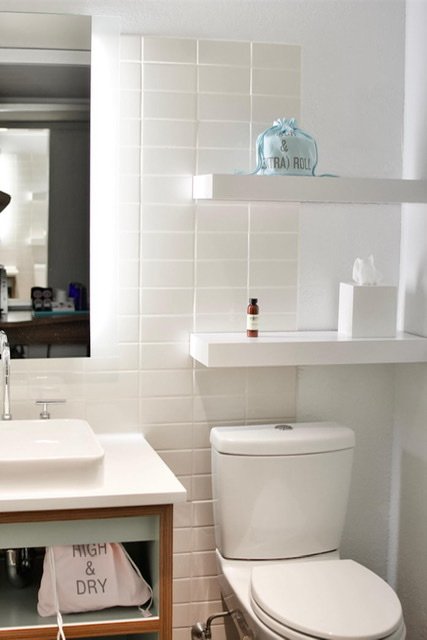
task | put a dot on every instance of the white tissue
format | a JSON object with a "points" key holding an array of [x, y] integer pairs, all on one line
{"points": [[365, 271]]}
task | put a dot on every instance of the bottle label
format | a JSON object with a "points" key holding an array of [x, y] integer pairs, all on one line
{"points": [[252, 322]]}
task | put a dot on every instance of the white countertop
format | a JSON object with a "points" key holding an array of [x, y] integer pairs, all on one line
{"points": [[134, 475]]}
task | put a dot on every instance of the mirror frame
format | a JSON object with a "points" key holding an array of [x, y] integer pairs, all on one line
{"points": [[104, 170]]}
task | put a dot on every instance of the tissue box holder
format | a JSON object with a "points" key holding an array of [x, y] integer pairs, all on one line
{"points": [[367, 311]]}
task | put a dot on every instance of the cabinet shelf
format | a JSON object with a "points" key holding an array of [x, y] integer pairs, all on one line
{"points": [[308, 189], [303, 348], [19, 619], [147, 529]]}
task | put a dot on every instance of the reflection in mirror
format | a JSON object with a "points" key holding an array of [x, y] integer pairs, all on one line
{"points": [[44, 166], [24, 171]]}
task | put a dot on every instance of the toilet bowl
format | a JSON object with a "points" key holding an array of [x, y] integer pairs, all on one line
{"points": [[280, 494], [323, 598]]}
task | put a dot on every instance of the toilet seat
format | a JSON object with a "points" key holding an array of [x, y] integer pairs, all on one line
{"points": [[329, 599]]}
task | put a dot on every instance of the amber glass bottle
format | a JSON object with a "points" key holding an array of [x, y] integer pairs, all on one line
{"points": [[252, 318]]}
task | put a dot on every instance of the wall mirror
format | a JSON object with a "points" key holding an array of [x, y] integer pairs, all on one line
{"points": [[45, 107]]}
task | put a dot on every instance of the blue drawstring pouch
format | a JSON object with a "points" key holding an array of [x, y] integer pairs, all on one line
{"points": [[286, 150]]}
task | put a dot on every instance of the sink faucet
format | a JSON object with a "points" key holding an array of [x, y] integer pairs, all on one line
{"points": [[5, 359]]}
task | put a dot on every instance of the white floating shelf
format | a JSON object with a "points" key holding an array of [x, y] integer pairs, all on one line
{"points": [[308, 189], [303, 348]]}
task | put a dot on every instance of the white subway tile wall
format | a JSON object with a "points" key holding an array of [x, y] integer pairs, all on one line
{"points": [[187, 106], [203, 105]]}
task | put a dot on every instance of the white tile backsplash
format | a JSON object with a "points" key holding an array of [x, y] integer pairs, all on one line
{"points": [[217, 217], [221, 273], [129, 301], [167, 161], [219, 408], [166, 301], [202, 539], [130, 104], [131, 48], [170, 77], [129, 213], [155, 189], [167, 246], [222, 79], [272, 273], [129, 186], [273, 217], [170, 50], [224, 135], [222, 246], [128, 328], [224, 107], [169, 133], [164, 437], [128, 242], [268, 246], [130, 132], [218, 161], [130, 76], [212, 382], [168, 409], [159, 105], [161, 273], [181, 588], [163, 217], [206, 323], [229, 300], [166, 328], [128, 276], [130, 163], [224, 53], [278, 299], [167, 355], [201, 487]]}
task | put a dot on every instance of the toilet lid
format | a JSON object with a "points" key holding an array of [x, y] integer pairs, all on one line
{"points": [[333, 599]]}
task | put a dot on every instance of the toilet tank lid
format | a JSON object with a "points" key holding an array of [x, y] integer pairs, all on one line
{"points": [[293, 438]]}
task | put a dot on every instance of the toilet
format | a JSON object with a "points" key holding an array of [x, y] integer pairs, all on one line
{"points": [[280, 495]]}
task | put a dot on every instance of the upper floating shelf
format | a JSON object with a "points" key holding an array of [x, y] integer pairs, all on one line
{"points": [[308, 189]]}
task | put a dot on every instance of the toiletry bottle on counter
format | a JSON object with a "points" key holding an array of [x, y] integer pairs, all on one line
{"points": [[252, 318]]}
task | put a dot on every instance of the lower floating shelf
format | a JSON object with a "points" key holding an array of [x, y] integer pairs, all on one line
{"points": [[303, 348]]}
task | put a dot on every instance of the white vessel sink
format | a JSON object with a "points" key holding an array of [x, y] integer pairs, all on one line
{"points": [[49, 453]]}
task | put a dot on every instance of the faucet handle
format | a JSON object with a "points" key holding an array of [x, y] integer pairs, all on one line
{"points": [[44, 413]]}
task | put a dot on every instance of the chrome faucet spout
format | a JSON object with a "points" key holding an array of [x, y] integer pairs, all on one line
{"points": [[5, 359]]}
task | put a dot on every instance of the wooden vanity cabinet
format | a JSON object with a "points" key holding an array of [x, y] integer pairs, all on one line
{"points": [[147, 529]]}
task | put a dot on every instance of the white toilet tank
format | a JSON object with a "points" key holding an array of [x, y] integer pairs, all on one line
{"points": [[280, 491]]}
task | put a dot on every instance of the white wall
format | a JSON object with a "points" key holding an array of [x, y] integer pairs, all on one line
{"points": [[358, 108], [410, 528], [352, 96]]}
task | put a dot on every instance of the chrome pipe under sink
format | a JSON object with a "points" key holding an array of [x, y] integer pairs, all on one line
{"points": [[19, 567]]}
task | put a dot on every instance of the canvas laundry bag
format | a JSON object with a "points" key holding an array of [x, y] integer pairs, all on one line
{"points": [[88, 577], [285, 149]]}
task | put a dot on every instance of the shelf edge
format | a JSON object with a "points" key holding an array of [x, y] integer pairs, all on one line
{"points": [[308, 189], [212, 352]]}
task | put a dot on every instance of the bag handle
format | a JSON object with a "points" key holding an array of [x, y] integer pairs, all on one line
{"points": [[144, 610], [59, 621]]}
